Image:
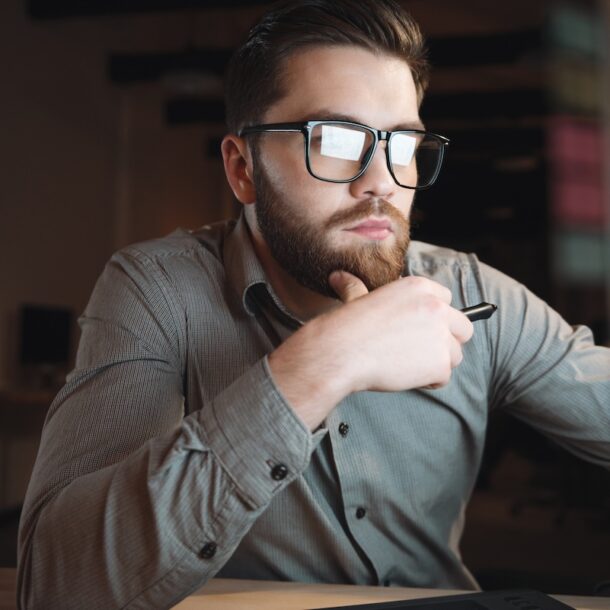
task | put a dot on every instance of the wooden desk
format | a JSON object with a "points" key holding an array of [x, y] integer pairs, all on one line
{"points": [[227, 594]]}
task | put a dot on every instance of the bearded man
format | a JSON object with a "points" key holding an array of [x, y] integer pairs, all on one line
{"points": [[296, 395]]}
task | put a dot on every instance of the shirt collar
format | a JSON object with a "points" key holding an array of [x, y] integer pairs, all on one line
{"points": [[242, 266], [246, 273]]}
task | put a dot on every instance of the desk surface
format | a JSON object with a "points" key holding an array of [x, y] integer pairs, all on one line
{"points": [[227, 594]]}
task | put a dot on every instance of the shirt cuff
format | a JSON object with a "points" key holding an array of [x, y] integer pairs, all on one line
{"points": [[256, 436]]}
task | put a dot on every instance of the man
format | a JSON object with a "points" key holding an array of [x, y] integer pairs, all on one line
{"points": [[274, 398]]}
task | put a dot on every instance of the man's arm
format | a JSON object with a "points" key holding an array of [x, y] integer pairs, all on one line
{"points": [[130, 504], [547, 373]]}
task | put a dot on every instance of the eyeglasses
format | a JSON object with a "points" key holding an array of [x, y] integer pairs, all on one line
{"points": [[341, 151]]}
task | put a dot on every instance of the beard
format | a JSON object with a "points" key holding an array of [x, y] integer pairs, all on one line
{"points": [[302, 249]]}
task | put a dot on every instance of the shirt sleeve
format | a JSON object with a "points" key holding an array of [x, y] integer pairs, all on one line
{"points": [[545, 372], [131, 504]]}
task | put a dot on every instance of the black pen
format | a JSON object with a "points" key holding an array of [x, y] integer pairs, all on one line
{"points": [[482, 311]]}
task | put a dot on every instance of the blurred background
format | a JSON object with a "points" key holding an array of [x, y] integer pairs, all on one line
{"points": [[111, 118]]}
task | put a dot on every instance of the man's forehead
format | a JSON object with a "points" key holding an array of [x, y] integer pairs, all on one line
{"points": [[348, 83]]}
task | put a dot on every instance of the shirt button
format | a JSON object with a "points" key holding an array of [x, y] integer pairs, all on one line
{"points": [[360, 512], [343, 428], [209, 550], [279, 472]]}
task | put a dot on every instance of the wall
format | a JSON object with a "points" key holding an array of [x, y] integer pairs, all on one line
{"points": [[86, 166], [57, 170]]}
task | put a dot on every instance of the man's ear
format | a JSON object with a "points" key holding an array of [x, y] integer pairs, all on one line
{"points": [[238, 168]]}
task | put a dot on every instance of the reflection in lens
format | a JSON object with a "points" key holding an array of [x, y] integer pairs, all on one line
{"points": [[339, 152], [336, 151], [415, 158]]}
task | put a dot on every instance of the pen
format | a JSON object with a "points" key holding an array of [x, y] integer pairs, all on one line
{"points": [[482, 311]]}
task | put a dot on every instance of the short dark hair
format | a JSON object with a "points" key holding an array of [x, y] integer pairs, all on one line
{"points": [[254, 76]]}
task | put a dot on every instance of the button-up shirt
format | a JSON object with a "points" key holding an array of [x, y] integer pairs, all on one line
{"points": [[170, 455]]}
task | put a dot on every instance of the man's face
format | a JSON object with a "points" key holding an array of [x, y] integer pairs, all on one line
{"points": [[312, 227]]}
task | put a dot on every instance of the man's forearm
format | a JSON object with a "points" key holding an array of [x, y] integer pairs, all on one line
{"points": [[146, 529]]}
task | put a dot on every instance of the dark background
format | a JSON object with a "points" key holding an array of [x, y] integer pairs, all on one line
{"points": [[110, 120]]}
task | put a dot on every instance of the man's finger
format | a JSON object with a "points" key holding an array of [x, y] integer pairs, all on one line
{"points": [[460, 326], [347, 286]]}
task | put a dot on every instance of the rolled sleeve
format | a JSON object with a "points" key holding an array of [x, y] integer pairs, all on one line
{"points": [[256, 436]]}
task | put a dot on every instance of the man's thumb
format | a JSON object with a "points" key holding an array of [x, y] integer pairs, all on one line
{"points": [[347, 286]]}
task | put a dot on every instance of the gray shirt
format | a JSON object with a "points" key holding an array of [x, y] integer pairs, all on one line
{"points": [[170, 455]]}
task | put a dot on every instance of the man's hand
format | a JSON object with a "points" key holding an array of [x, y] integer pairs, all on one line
{"points": [[401, 336]]}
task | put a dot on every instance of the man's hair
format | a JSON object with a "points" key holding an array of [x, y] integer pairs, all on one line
{"points": [[254, 78]]}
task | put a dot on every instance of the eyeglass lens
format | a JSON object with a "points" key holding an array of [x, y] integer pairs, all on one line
{"points": [[338, 152]]}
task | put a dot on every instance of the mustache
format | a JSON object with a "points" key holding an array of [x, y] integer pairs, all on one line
{"points": [[364, 209]]}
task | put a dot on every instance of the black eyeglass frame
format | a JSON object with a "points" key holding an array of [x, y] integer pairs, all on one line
{"points": [[306, 127]]}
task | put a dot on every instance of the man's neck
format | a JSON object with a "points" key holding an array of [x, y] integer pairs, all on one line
{"points": [[301, 302]]}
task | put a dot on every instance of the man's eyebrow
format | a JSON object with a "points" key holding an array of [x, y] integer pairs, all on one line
{"points": [[326, 115]]}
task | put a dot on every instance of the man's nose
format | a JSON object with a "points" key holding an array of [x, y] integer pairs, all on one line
{"points": [[377, 181]]}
